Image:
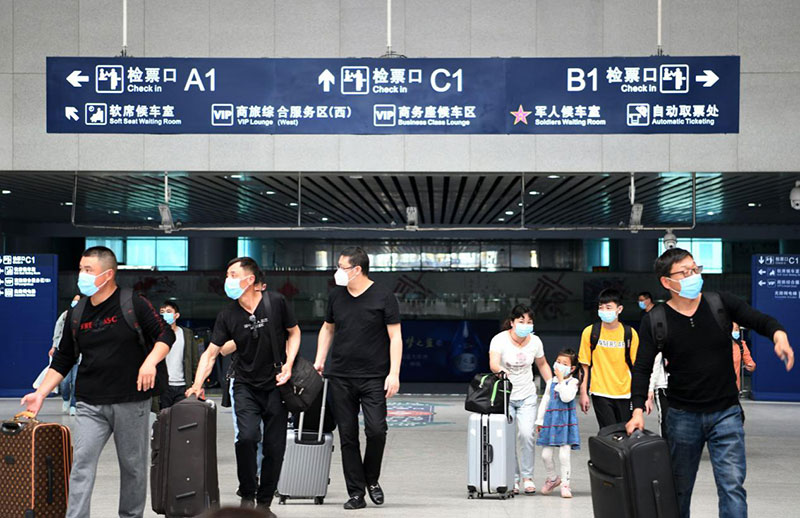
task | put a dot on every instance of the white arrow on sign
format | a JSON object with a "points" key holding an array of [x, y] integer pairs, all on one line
{"points": [[762, 272], [761, 283], [71, 112], [75, 78], [760, 260], [326, 79], [709, 78]]}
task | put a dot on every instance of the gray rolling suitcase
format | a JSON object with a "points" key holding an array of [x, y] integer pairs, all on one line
{"points": [[491, 452], [307, 462]]}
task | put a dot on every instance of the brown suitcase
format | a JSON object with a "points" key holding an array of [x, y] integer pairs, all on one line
{"points": [[35, 461]]}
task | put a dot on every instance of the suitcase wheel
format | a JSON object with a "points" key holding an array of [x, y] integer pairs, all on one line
{"points": [[319, 500], [282, 500], [471, 495]]}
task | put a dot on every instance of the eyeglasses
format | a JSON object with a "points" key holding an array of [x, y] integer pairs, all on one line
{"points": [[253, 328], [345, 267], [697, 270]]}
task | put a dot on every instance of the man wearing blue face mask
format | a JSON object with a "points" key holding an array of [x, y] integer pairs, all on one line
{"points": [[182, 358], [693, 332], [256, 374], [116, 380], [645, 302], [608, 350]]}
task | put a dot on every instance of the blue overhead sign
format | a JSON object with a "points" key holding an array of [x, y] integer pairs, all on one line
{"points": [[28, 298], [776, 292], [658, 94]]}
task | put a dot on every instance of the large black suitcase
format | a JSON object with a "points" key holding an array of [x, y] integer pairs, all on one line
{"points": [[183, 467], [631, 476]]}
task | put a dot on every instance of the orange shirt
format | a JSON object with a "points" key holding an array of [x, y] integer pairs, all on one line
{"points": [[737, 360]]}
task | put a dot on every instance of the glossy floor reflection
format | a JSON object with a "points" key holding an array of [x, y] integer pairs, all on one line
{"points": [[425, 467]]}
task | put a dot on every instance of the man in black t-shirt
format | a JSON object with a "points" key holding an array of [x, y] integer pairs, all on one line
{"points": [[363, 321], [256, 374], [116, 377], [703, 398]]}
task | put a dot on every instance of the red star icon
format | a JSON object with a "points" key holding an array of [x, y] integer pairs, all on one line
{"points": [[520, 116]]}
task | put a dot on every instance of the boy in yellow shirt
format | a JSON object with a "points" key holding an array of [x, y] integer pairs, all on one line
{"points": [[607, 353]]}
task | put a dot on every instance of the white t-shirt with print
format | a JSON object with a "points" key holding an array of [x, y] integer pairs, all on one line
{"points": [[517, 362]]}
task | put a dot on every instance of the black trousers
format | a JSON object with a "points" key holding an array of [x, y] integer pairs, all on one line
{"points": [[172, 395], [662, 406], [611, 411], [252, 406], [348, 395]]}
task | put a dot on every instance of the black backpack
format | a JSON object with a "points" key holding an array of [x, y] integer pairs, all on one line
{"points": [[129, 315], [658, 318], [595, 337]]}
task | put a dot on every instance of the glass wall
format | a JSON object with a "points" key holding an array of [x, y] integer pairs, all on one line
{"points": [[159, 253]]}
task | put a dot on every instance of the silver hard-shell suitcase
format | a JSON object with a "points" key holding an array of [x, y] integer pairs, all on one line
{"points": [[307, 461], [491, 452]]}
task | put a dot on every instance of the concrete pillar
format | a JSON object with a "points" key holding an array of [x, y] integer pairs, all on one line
{"points": [[637, 255], [211, 253]]}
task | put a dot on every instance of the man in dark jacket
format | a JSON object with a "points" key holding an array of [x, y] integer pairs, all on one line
{"points": [[703, 398]]}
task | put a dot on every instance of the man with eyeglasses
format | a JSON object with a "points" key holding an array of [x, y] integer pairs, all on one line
{"points": [[703, 398], [363, 322], [256, 374]]}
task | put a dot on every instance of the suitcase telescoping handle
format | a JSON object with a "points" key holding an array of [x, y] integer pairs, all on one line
{"points": [[299, 433], [504, 378]]}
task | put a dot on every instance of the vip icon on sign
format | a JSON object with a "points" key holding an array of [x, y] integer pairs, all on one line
{"points": [[109, 79], [222, 115], [9, 281], [674, 79], [638, 114], [384, 115], [96, 114], [355, 80]]}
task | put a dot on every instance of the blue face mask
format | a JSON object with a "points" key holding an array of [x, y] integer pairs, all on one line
{"points": [[691, 287], [233, 288], [169, 318], [86, 283], [642, 305], [523, 330], [736, 335], [607, 316], [73, 303]]}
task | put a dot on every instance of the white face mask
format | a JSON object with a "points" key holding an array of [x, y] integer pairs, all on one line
{"points": [[341, 278]]}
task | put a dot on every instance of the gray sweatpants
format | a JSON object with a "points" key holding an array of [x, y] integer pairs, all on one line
{"points": [[94, 424]]}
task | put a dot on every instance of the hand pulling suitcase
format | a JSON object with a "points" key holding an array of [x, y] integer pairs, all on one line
{"points": [[307, 463], [35, 462], [491, 452], [183, 466], [631, 476]]}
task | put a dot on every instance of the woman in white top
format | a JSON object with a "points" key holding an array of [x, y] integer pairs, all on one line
{"points": [[514, 351]]}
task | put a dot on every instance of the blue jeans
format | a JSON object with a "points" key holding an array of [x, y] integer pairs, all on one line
{"points": [[524, 412], [67, 386], [723, 431]]}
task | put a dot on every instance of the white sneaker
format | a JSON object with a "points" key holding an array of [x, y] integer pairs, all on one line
{"points": [[516, 487], [72, 410], [566, 492], [65, 406]]}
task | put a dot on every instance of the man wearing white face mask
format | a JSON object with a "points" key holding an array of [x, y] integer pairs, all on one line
{"points": [[182, 358], [363, 322], [607, 353], [693, 332], [514, 351], [116, 378], [256, 375]]}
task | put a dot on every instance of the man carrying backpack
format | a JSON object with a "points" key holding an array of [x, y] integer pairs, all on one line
{"points": [[692, 330], [608, 350], [113, 331]]}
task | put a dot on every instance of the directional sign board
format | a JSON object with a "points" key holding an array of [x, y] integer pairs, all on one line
{"points": [[28, 297], [657, 94], [776, 292]]}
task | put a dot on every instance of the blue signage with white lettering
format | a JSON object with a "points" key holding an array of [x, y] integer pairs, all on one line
{"points": [[28, 298], [659, 94], [776, 292]]}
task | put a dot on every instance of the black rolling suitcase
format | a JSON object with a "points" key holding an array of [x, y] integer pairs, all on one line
{"points": [[631, 476], [183, 467]]}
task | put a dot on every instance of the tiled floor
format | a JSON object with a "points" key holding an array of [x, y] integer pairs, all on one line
{"points": [[425, 468]]}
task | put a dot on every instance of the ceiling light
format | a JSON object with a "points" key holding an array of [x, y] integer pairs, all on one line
{"points": [[501, 219], [293, 204], [356, 177], [324, 219], [270, 192], [237, 176], [519, 204], [711, 213], [534, 193], [509, 213], [149, 218], [6, 191], [114, 212], [553, 176]]}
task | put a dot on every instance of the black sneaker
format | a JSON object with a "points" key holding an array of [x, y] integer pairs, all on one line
{"points": [[375, 494], [247, 503], [355, 502], [264, 508]]}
